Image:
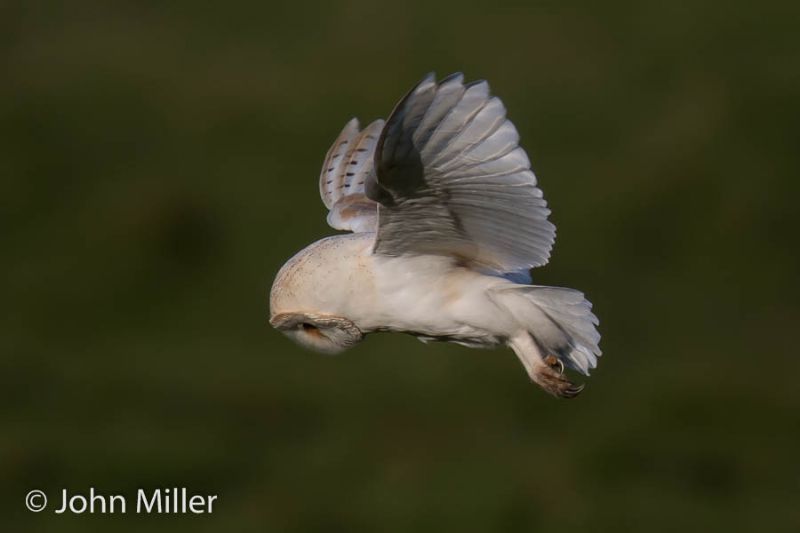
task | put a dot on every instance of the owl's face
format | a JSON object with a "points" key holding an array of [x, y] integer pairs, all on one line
{"points": [[326, 334]]}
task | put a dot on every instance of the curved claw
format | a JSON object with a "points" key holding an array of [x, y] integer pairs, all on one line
{"points": [[572, 391], [554, 362], [554, 382]]}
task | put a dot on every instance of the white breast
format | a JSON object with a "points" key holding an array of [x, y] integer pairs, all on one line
{"points": [[432, 296]]}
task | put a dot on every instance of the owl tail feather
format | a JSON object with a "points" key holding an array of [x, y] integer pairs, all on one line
{"points": [[557, 323]]}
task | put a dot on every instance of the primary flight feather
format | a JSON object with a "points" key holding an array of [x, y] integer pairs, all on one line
{"points": [[447, 221]]}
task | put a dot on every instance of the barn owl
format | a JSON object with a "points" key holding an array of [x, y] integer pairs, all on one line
{"points": [[445, 222]]}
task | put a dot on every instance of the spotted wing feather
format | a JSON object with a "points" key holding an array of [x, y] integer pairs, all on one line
{"points": [[348, 165]]}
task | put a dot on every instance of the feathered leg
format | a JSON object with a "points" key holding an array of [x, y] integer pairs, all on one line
{"points": [[547, 371], [558, 330]]}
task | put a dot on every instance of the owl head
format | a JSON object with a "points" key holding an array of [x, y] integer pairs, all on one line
{"points": [[310, 298]]}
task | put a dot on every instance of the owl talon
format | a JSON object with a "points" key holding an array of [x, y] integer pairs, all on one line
{"points": [[554, 382], [555, 363]]}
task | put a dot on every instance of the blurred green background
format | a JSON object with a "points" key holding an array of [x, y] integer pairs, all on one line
{"points": [[159, 162]]}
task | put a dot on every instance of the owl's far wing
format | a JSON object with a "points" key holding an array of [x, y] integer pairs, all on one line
{"points": [[348, 165], [452, 180]]}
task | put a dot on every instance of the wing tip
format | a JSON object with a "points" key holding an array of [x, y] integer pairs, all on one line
{"points": [[352, 125], [430, 77], [457, 77], [376, 124]]}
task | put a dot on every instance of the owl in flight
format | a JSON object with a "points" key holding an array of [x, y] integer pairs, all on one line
{"points": [[446, 222]]}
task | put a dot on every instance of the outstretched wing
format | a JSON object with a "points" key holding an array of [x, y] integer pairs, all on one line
{"points": [[452, 180], [348, 165]]}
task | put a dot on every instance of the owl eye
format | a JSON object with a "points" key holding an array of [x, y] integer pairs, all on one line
{"points": [[324, 333], [311, 329]]}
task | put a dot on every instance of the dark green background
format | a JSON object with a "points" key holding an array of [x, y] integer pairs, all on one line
{"points": [[158, 164]]}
